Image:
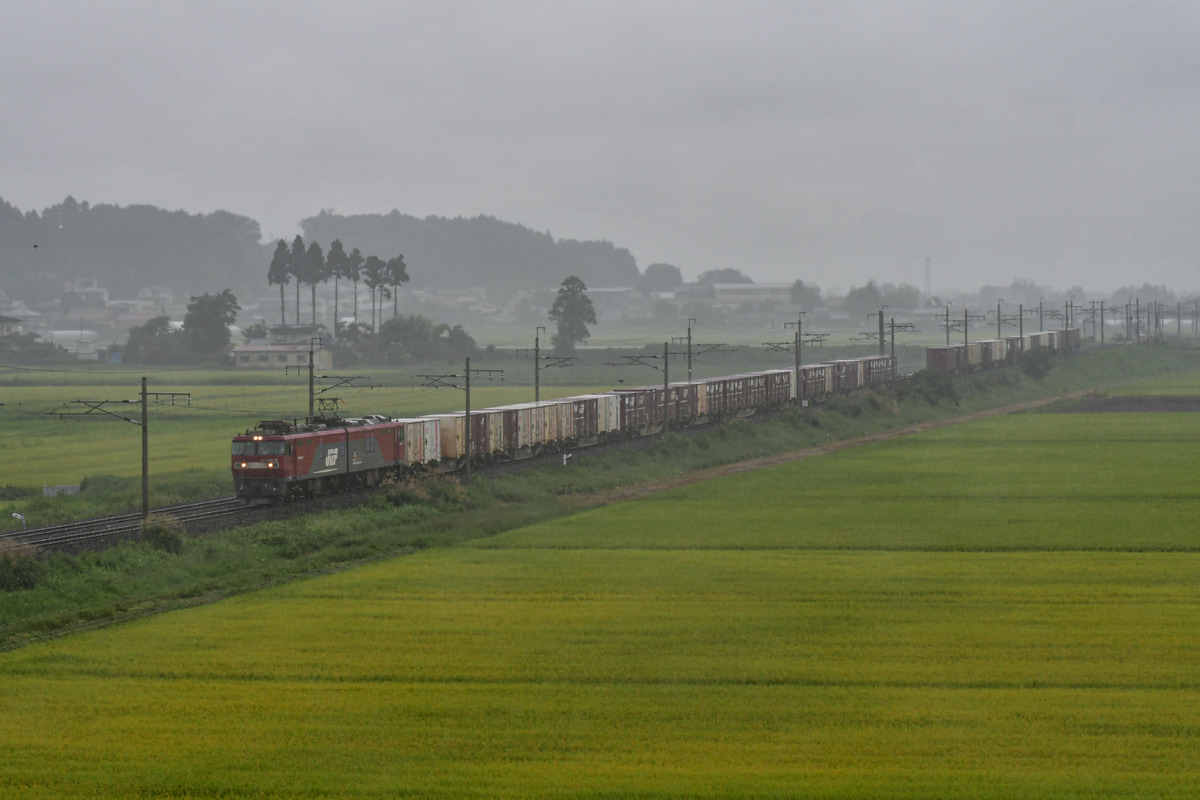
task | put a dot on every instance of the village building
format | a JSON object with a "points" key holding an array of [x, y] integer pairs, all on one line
{"points": [[286, 346]]}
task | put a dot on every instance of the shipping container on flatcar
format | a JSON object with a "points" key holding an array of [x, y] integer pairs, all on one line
{"points": [[779, 387], [816, 381], [682, 401], [422, 440], [1069, 339], [847, 375], [972, 356], [991, 352], [1041, 339], [877, 371], [608, 411], [453, 434], [1015, 346], [638, 409], [950, 358]]}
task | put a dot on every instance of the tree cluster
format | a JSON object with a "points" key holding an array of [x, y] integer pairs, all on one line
{"points": [[204, 338], [870, 298], [660, 278], [500, 257], [724, 275], [24, 348], [311, 265], [406, 340]]}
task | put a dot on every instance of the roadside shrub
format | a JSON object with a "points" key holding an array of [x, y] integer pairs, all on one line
{"points": [[162, 532], [441, 493], [848, 406], [931, 386], [15, 492], [1036, 362], [882, 402], [19, 567]]}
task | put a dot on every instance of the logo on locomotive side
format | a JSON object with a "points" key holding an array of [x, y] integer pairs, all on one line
{"points": [[331, 456]]}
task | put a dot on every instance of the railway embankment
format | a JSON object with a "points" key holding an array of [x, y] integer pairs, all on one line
{"points": [[53, 595]]}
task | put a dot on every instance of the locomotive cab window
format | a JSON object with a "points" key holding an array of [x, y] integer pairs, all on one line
{"points": [[261, 448]]}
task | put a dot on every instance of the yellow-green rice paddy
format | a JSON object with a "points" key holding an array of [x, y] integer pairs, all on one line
{"points": [[1002, 609]]}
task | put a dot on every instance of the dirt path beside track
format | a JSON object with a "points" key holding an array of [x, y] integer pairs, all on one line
{"points": [[635, 492]]}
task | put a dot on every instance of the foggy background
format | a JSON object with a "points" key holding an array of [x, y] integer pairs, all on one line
{"points": [[829, 141]]}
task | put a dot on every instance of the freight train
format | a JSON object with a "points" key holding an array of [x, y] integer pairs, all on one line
{"points": [[281, 459], [987, 353]]}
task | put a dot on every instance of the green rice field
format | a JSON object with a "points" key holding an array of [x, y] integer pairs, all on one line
{"points": [[1006, 608]]}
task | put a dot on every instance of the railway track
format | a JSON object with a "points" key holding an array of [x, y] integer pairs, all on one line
{"points": [[103, 531]]}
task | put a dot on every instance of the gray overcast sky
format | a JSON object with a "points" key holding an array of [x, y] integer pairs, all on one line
{"points": [[832, 141]]}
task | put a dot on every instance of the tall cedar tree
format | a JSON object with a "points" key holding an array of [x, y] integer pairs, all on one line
{"points": [[279, 273], [354, 272], [314, 272], [296, 268], [336, 262], [397, 273], [375, 276], [573, 312]]}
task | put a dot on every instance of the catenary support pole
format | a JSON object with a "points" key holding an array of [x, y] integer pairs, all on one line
{"points": [[145, 456], [666, 383], [467, 438]]}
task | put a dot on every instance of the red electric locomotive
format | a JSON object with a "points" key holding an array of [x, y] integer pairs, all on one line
{"points": [[279, 460]]}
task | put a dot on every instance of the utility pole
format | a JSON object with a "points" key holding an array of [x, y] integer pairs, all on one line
{"points": [[145, 454], [799, 345], [96, 408], [311, 341], [691, 322], [903, 326], [538, 358], [666, 384], [647, 361], [446, 381], [470, 428]]}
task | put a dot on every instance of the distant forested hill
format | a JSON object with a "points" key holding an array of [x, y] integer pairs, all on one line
{"points": [[125, 249], [482, 251]]}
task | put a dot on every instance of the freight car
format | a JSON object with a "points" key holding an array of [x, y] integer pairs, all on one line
{"points": [[279, 460], [968, 357]]}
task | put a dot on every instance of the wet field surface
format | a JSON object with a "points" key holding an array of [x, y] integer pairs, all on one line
{"points": [[1127, 404]]}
